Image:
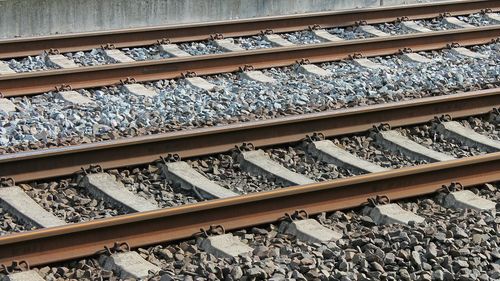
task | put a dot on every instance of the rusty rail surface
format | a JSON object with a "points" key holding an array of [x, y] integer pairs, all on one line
{"points": [[94, 76], [133, 37], [141, 229], [54, 162]]}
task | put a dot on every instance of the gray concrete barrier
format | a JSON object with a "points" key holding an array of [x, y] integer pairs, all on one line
{"points": [[40, 17]]}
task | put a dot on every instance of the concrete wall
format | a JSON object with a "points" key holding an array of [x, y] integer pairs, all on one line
{"points": [[38, 17]]}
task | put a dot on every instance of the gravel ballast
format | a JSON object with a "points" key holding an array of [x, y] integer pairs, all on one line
{"points": [[43, 121]]}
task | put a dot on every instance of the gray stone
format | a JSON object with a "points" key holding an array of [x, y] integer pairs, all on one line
{"points": [[415, 259], [74, 97], [261, 251], [14, 200], [29, 275], [404, 274], [188, 178], [228, 45], [394, 141], [364, 62], [5, 69], [327, 151], [461, 51], [453, 21], [455, 130], [60, 61], [312, 69], [371, 30], [236, 272], [7, 106], [414, 27], [432, 251], [130, 265], [256, 272], [414, 57], [326, 36], [389, 258], [311, 230], [225, 246], [258, 76], [117, 56], [465, 199], [106, 186], [461, 263], [258, 161], [277, 40], [173, 50], [200, 83], [376, 266], [139, 90], [393, 213]]}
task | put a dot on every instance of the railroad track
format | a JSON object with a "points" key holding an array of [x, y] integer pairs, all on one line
{"points": [[157, 226], [234, 174], [19, 47], [237, 59]]}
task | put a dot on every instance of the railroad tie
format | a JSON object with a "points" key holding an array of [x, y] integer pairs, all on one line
{"points": [[257, 161], [277, 41], [466, 199], [117, 56], [257, 76], [173, 50], [394, 141], [364, 62], [455, 130], [106, 186], [310, 230], [73, 97], [60, 61], [326, 36], [371, 30], [228, 45], [494, 17], [7, 106], [5, 69], [414, 27], [17, 202], [416, 58], [29, 275], [225, 246], [200, 84], [456, 23], [314, 70], [461, 51], [139, 90], [393, 213], [327, 151], [130, 265], [188, 178]]}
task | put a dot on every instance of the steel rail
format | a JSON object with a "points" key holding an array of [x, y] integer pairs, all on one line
{"points": [[104, 75], [133, 37], [54, 162], [142, 229]]}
